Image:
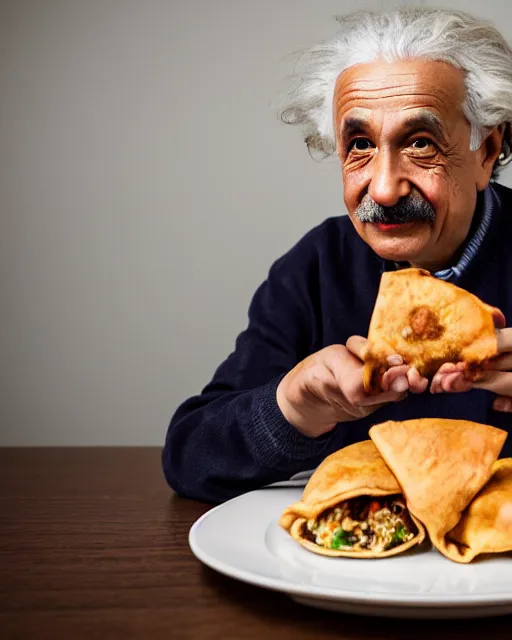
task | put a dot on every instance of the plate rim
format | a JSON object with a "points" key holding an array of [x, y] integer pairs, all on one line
{"points": [[330, 593]]}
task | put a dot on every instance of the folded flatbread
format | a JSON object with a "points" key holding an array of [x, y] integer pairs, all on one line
{"points": [[428, 322], [486, 526], [353, 506], [441, 465]]}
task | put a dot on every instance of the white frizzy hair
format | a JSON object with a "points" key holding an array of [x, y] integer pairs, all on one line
{"points": [[468, 43]]}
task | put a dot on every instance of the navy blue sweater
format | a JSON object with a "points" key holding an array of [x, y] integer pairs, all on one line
{"points": [[233, 438]]}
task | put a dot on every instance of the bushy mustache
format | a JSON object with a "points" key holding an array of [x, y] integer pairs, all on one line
{"points": [[411, 208]]}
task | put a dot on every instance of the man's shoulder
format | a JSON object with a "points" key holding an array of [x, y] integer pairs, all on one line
{"points": [[335, 235], [340, 224], [333, 244]]}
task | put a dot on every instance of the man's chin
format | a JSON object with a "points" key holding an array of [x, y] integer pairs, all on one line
{"points": [[402, 243]]}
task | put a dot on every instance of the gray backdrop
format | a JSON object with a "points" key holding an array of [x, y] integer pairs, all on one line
{"points": [[146, 185]]}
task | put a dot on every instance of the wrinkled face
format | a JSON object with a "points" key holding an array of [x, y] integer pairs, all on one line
{"points": [[410, 179]]}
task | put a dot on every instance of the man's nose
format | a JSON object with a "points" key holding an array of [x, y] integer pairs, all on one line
{"points": [[387, 184]]}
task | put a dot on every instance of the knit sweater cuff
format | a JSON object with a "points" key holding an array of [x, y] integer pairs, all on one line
{"points": [[275, 438]]}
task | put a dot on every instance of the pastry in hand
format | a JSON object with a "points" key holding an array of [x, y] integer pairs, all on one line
{"points": [[428, 322]]}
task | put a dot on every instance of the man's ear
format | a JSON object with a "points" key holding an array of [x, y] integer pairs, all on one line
{"points": [[487, 155]]}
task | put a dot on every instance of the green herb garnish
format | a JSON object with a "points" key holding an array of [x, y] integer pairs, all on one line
{"points": [[398, 537], [341, 538], [400, 534]]}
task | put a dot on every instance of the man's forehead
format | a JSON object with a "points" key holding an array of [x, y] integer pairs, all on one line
{"points": [[399, 75], [403, 85]]}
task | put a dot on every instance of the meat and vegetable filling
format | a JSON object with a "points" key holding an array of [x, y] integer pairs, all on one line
{"points": [[363, 524]]}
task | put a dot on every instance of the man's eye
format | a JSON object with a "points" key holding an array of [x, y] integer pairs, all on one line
{"points": [[422, 143], [360, 144]]}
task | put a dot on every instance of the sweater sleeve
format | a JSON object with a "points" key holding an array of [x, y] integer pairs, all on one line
{"points": [[233, 437]]}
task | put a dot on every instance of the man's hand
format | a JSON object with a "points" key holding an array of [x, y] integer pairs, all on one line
{"points": [[327, 388], [497, 376]]}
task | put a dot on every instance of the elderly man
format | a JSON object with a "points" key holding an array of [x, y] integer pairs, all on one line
{"points": [[417, 104]]}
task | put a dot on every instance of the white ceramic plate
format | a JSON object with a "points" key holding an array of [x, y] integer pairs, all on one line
{"points": [[241, 539]]}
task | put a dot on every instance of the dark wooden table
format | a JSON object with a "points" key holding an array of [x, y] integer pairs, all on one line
{"points": [[93, 544]]}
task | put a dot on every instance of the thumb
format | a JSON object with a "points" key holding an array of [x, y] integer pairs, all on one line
{"points": [[498, 317], [357, 345]]}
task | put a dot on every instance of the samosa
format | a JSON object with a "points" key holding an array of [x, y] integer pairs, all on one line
{"points": [[428, 322], [353, 506]]}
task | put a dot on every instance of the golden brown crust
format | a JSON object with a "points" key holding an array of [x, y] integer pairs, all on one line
{"points": [[428, 322], [441, 465], [356, 470], [486, 525]]}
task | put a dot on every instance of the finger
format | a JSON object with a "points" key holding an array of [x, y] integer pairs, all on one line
{"points": [[322, 381], [351, 386], [499, 382], [417, 383], [400, 384], [447, 367], [357, 345], [390, 377], [455, 383], [502, 403], [504, 337], [499, 318], [346, 369], [500, 363]]}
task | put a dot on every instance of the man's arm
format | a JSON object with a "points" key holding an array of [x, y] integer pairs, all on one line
{"points": [[233, 437]]}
